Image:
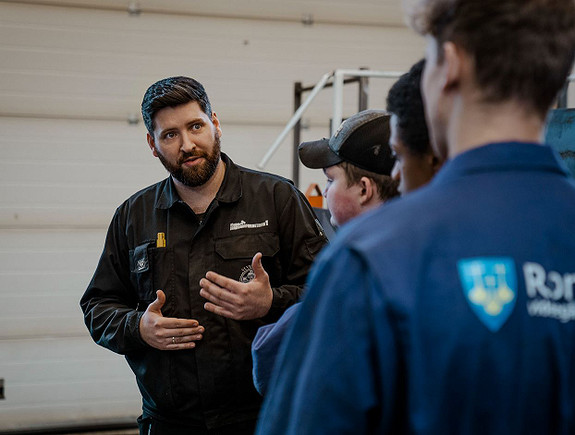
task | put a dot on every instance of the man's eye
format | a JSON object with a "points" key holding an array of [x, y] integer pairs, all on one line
{"points": [[196, 126], [170, 135]]}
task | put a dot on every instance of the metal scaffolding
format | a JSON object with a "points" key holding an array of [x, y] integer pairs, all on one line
{"points": [[337, 79]]}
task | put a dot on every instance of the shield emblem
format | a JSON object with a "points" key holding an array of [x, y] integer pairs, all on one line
{"points": [[490, 287]]}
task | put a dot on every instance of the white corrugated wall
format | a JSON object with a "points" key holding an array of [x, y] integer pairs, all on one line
{"points": [[70, 78]]}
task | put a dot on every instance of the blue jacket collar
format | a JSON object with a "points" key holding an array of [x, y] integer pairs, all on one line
{"points": [[502, 157]]}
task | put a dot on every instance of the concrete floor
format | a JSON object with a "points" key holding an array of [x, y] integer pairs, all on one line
{"points": [[115, 432]]}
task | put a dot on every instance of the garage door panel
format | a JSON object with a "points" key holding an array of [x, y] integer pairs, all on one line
{"points": [[57, 381]]}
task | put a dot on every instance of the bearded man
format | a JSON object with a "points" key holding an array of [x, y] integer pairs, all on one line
{"points": [[193, 265]]}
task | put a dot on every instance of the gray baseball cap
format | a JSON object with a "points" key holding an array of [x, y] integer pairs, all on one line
{"points": [[362, 140]]}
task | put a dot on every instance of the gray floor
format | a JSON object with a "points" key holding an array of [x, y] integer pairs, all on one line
{"points": [[115, 432]]}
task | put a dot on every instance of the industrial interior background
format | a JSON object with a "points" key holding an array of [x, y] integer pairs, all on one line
{"points": [[72, 75]]}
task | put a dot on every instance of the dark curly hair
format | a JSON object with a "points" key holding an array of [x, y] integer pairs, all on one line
{"points": [[522, 50], [172, 92], [405, 102]]}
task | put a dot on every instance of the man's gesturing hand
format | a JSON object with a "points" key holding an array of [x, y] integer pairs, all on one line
{"points": [[238, 300], [168, 333]]}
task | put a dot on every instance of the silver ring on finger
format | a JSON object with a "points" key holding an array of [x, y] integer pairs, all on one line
{"points": [[173, 340]]}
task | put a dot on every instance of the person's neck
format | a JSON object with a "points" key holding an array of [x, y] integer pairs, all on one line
{"points": [[474, 125], [373, 203], [199, 198]]}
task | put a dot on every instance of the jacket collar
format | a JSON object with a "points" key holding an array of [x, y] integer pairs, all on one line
{"points": [[230, 190], [502, 157]]}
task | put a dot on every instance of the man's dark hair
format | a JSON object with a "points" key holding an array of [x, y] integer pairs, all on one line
{"points": [[172, 92], [405, 102], [522, 50]]}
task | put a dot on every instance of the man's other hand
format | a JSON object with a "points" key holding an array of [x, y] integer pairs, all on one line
{"points": [[238, 300], [168, 333]]}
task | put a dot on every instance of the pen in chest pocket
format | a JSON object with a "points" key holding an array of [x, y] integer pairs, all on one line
{"points": [[161, 240]]}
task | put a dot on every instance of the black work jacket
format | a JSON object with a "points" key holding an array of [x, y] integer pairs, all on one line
{"points": [[210, 385]]}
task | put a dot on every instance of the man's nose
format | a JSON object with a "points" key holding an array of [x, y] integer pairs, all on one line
{"points": [[188, 144]]}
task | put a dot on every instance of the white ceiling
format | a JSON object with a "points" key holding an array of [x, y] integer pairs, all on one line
{"points": [[366, 12]]}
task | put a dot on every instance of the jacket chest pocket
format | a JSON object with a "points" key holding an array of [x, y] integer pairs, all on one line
{"points": [[235, 254], [151, 269]]}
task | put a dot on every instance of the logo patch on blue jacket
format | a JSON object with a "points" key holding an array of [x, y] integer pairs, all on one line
{"points": [[490, 287]]}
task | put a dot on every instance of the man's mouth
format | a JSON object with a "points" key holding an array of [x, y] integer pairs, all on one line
{"points": [[192, 161]]}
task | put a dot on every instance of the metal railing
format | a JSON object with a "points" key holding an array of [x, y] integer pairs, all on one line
{"points": [[337, 79]]}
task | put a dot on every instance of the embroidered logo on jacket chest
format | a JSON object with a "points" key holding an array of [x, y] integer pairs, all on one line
{"points": [[247, 274], [243, 224]]}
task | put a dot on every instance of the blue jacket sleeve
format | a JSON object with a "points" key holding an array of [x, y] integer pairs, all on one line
{"points": [[326, 376], [265, 348]]}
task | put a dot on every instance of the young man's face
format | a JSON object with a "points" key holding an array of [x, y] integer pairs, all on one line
{"points": [[411, 170], [432, 91], [187, 142], [343, 202]]}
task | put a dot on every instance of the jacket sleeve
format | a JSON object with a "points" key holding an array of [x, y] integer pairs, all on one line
{"points": [[110, 301], [301, 239], [265, 348], [325, 379]]}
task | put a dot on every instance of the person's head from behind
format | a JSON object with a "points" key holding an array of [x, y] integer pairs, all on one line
{"points": [[357, 163], [415, 162], [494, 52], [183, 132]]}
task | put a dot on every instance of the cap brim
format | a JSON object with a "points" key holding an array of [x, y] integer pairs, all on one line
{"points": [[317, 154]]}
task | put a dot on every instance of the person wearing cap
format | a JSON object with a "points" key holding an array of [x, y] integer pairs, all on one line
{"points": [[357, 162]]}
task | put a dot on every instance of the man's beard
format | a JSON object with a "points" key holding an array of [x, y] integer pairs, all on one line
{"points": [[196, 176]]}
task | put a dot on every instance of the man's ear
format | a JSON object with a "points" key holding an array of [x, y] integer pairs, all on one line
{"points": [[436, 163], [216, 123], [367, 190], [433, 162], [151, 144], [453, 65]]}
